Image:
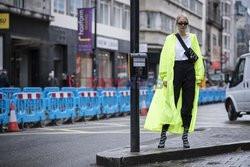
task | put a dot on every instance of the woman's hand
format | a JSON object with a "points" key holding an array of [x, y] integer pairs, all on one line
{"points": [[165, 83]]}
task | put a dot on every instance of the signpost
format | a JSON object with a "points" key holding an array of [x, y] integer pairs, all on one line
{"points": [[138, 70]]}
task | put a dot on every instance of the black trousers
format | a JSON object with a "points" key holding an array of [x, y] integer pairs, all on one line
{"points": [[184, 78]]}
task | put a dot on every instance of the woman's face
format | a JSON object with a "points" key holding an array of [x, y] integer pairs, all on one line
{"points": [[182, 24]]}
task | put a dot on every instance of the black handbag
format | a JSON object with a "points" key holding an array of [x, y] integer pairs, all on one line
{"points": [[191, 55]]}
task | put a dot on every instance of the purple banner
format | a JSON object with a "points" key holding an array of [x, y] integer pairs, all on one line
{"points": [[84, 35]]}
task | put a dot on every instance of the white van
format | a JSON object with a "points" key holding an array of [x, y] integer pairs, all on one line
{"points": [[237, 101]]}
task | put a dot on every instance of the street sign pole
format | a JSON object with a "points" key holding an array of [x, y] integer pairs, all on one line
{"points": [[134, 109], [94, 70]]}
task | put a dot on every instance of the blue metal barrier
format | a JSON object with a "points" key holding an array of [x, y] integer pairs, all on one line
{"points": [[216, 95], [124, 100], [109, 102], [84, 89], [61, 105], [32, 104], [50, 89], [99, 91], [10, 91], [88, 103], [4, 109], [70, 89], [45, 94], [32, 89], [29, 107]]}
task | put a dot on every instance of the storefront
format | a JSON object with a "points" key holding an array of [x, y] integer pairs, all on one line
{"points": [[22, 49], [111, 63]]}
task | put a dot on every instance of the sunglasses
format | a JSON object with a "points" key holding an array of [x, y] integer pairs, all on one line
{"points": [[183, 23]]}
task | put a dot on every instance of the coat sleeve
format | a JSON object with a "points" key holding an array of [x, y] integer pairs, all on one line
{"points": [[163, 62], [199, 65]]}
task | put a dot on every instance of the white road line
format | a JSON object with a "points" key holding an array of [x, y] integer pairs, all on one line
{"points": [[71, 132]]}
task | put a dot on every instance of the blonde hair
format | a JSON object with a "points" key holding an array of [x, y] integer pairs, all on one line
{"points": [[182, 15]]}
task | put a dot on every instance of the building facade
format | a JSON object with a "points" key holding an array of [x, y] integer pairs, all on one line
{"points": [[25, 43], [213, 41], [113, 36], [242, 16], [229, 56], [157, 20], [43, 37]]}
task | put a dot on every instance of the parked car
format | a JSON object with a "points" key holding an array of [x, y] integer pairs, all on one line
{"points": [[237, 101]]}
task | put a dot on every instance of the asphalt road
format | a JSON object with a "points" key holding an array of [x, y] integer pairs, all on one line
{"points": [[77, 144]]}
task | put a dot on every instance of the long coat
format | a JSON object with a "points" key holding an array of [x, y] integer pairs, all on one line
{"points": [[162, 109]]}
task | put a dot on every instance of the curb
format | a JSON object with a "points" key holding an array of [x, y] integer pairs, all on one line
{"points": [[123, 157]]}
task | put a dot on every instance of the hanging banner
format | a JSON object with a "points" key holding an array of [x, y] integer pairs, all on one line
{"points": [[84, 33]]}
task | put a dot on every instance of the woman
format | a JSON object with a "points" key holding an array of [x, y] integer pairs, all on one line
{"points": [[174, 105]]}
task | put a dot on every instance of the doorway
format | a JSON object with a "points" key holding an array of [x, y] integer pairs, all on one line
{"points": [[24, 70]]}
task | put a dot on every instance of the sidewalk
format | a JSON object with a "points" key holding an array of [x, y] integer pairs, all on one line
{"points": [[203, 142]]}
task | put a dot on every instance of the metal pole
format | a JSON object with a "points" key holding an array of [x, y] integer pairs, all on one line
{"points": [[134, 48], [95, 43]]}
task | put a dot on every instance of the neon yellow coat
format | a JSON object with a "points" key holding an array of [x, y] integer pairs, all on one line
{"points": [[162, 109]]}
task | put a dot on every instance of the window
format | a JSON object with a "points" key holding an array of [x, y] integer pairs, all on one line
{"points": [[228, 42], [225, 42], [88, 3], [117, 15], [199, 8], [151, 20], [241, 35], [208, 42], [199, 36], [197, 32], [104, 12], [226, 25], [185, 3], [72, 6], [227, 10], [154, 21], [59, 6], [126, 20], [177, 1], [18, 3], [214, 40], [104, 65], [238, 74], [167, 23], [193, 5], [122, 68]]}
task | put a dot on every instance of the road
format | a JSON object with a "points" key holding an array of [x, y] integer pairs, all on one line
{"points": [[77, 144]]}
